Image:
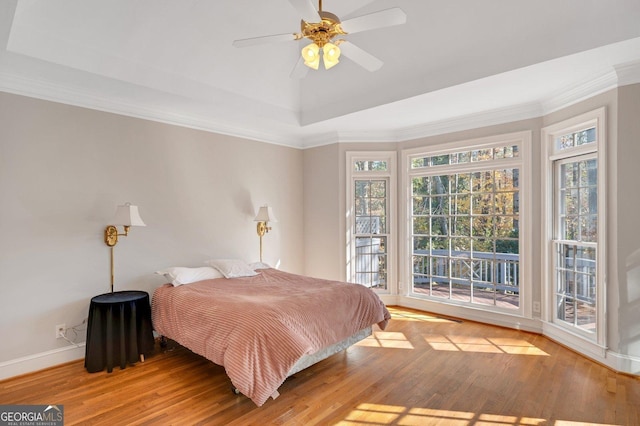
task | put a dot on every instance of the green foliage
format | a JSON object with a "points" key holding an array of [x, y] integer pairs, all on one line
{"points": [[476, 210]]}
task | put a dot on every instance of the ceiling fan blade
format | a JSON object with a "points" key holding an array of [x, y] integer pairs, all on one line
{"points": [[384, 18], [254, 41], [306, 9], [300, 70], [361, 57]]}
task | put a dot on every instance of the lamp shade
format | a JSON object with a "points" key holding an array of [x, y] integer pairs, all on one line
{"points": [[311, 55], [265, 214], [127, 215], [331, 55]]}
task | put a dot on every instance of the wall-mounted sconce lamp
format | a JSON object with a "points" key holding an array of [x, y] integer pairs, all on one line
{"points": [[126, 216], [264, 216]]}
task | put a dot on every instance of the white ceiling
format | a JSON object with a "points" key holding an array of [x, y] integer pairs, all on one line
{"points": [[454, 64]]}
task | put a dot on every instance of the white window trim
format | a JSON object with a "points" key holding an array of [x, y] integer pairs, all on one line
{"points": [[404, 231], [566, 335], [391, 174]]}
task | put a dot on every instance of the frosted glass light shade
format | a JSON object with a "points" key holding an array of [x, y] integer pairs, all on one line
{"points": [[311, 55], [331, 55]]}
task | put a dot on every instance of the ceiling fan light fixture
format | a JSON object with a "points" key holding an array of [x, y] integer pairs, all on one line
{"points": [[331, 55], [323, 30], [311, 55]]}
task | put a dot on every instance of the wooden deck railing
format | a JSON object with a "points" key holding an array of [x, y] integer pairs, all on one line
{"points": [[482, 270]]}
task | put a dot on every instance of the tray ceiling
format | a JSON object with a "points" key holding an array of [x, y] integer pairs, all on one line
{"points": [[452, 64]]}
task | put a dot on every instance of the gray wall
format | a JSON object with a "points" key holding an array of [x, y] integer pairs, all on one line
{"points": [[627, 330], [64, 169], [322, 218]]}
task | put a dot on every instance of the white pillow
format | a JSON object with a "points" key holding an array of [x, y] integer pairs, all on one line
{"points": [[179, 275], [232, 268], [259, 265]]}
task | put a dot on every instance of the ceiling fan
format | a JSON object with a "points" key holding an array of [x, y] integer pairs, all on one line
{"points": [[325, 30]]}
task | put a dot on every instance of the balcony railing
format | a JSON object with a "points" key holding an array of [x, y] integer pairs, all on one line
{"points": [[370, 262], [499, 271]]}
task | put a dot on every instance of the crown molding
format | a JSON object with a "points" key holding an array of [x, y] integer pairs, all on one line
{"points": [[319, 140], [628, 73], [580, 92], [623, 74], [460, 123], [571, 95], [472, 121], [378, 136], [83, 98]]}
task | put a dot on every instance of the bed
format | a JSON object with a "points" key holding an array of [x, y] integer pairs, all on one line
{"points": [[266, 327]]}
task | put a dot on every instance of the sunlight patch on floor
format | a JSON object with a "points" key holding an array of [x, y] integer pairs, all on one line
{"points": [[414, 316], [386, 339], [441, 342], [379, 414]]}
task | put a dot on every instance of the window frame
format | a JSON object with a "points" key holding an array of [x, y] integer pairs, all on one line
{"points": [[390, 175], [551, 158], [523, 140]]}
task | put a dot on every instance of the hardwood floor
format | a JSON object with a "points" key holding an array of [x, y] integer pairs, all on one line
{"points": [[422, 370]]}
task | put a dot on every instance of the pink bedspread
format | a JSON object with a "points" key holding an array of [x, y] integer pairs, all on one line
{"points": [[258, 327]]}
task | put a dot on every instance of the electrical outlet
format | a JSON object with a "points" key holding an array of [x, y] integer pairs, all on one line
{"points": [[60, 330], [536, 307]]}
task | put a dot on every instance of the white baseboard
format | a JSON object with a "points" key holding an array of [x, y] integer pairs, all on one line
{"points": [[575, 342], [39, 361], [617, 362], [623, 363], [502, 320]]}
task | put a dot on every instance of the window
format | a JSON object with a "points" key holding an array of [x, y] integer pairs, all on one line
{"points": [[574, 225], [370, 219], [465, 222]]}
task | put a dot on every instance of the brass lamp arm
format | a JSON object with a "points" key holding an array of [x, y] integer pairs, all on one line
{"points": [[111, 239], [111, 234], [262, 229]]}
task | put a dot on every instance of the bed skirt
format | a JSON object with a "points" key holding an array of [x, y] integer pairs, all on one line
{"points": [[309, 360]]}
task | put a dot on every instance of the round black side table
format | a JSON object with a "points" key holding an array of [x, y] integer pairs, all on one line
{"points": [[119, 330]]}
